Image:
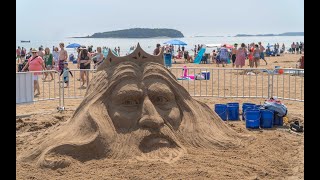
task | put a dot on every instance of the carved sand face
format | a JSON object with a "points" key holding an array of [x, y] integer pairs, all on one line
{"points": [[146, 105]]}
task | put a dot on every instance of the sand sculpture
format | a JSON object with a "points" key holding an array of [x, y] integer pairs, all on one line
{"points": [[133, 108]]}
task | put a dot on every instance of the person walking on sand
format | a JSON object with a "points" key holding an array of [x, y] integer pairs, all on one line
{"points": [[261, 48], [256, 55], [35, 63], [241, 56], [234, 52], [63, 56]]}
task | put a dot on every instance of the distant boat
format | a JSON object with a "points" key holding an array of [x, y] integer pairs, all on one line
{"points": [[25, 41]]}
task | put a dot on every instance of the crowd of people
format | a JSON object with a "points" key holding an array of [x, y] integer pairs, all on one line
{"points": [[223, 55], [43, 60]]}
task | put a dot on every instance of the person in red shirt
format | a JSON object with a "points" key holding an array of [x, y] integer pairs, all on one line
{"points": [[35, 63]]}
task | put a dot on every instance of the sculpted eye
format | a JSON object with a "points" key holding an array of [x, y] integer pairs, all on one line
{"points": [[160, 100], [130, 102]]}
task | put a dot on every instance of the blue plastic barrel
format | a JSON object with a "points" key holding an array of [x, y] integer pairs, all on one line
{"points": [[278, 121], [244, 107], [167, 60], [206, 74], [221, 110], [266, 120], [233, 111], [252, 117]]}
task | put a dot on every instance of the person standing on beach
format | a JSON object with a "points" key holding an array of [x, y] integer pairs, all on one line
{"points": [[99, 57], [234, 52], [63, 56], [40, 52], [293, 48], [297, 47], [223, 54], [261, 48], [65, 72], [241, 56], [55, 55], [283, 47], [35, 63], [84, 63], [256, 55], [23, 54], [118, 50], [18, 53], [49, 63], [156, 51]]}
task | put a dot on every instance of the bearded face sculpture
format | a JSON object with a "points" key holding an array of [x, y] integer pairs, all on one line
{"points": [[133, 108]]}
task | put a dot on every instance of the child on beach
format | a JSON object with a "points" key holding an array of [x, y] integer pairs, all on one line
{"points": [[65, 74]]}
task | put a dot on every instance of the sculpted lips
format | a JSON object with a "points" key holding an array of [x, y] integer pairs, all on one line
{"points": [[155, 141]]}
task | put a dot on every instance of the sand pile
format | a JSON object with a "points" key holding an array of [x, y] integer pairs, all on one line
{"points": [[133, 108]]}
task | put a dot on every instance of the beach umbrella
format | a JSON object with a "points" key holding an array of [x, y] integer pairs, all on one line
{"points": [[175, 42], [229, 46], [73, 45]]}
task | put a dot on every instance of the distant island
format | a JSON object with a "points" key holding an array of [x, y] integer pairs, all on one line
{"points": [[138, 33], [283, 34]]}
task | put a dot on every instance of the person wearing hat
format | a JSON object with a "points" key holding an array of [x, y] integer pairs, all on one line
{"points": [[35, 63], [65, 74]]}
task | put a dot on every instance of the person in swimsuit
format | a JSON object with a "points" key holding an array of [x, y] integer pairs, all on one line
{"points": [[63, 56], [234, 52], [84, 63], [261, 48]]}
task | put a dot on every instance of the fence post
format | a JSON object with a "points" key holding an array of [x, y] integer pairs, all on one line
{"points": [[61, 95], [270, 84]]}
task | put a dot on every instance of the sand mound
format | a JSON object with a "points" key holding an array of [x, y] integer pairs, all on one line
{"points": [[133, 108]]}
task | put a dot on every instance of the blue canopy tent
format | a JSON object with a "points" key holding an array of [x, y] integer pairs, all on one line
{"points": [[172, 42], [71, 57]]}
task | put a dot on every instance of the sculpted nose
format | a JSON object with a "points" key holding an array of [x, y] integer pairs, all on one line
{"points": [[150, 117]]}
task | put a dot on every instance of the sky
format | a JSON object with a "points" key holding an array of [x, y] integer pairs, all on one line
{"points": [[50, 20]]}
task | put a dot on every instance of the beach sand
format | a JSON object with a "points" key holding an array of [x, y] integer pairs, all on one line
{"points": [[275, 153]]}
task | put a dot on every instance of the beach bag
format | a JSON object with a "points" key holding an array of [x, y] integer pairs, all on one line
{"points": [[276, 106]]}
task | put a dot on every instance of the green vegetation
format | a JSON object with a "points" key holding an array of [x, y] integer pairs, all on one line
{"points": [[138, 33]]}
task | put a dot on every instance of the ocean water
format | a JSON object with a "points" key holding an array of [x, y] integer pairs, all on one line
{"points": [[148, 44]]}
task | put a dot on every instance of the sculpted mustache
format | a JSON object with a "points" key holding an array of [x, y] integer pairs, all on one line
{"points": [[163, 132]]}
